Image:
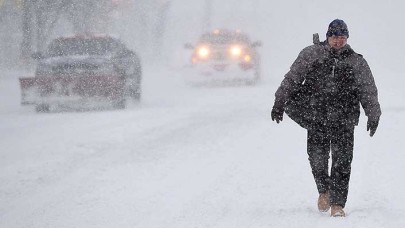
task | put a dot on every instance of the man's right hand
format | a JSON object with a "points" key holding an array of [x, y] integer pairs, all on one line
{"points": [[277, 114]]}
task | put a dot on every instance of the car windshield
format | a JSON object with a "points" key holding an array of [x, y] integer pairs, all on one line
{"points": [[79, 46], [224, 38]]}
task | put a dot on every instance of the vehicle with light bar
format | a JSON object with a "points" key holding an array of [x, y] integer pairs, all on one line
{"points": [[224, 56], [83, 71]]}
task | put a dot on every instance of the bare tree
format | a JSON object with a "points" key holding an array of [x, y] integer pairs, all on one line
{"points": [[147, 21], [207, 15], [41, 16], [27, 25]]}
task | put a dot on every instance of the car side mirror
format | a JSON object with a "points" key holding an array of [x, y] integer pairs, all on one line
{"points": [[188, 46], [257, 44], [37, 55]]}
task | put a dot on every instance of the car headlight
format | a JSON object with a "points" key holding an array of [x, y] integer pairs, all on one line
{"points": [[203, 52], [236, 51]]}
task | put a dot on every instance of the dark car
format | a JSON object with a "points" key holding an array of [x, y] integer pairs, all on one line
{"points": [[225, 55], [84, 71]]}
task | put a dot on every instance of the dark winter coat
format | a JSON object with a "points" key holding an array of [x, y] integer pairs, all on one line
{"points": [[325, 86]]}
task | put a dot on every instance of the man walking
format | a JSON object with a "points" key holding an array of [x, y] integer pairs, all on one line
{"points": [[322, 92]]}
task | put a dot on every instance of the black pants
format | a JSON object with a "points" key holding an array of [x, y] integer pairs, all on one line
{"points": [[339, 141]]}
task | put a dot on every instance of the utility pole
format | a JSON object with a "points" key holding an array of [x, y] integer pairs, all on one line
{"points": [[162, 12], [27, 24], [207, 16], [42, 15]]}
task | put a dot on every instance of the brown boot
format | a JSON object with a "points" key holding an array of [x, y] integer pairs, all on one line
{"points": [[337, 211], [323, 202]]}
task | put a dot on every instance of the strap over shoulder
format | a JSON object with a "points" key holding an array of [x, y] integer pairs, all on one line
{"points": [[315, 38]]}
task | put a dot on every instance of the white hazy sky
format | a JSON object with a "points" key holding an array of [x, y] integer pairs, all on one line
{"points": [[285, 27]]}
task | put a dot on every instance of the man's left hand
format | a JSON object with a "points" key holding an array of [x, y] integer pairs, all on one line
{"points": [[372, 124]]}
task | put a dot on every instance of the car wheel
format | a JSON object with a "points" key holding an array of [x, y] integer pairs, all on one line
{"points": [[134, 90], [42, 108], [251, 82], [255, 80], [121, 104]]}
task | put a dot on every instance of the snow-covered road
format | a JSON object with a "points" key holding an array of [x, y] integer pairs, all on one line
{"points": [[186, 157]]}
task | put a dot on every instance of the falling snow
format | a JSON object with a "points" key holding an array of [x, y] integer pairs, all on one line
{"points": [[189, 156]]}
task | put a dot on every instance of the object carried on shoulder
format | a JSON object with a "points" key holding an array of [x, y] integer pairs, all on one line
{"points": [[298, 106]]}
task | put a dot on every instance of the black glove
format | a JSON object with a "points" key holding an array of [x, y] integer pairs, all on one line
{"points": [[277, 114], [372, 124]]}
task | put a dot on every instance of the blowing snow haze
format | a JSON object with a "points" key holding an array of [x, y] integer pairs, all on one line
{"points": [[160, 28], [187, 156]]}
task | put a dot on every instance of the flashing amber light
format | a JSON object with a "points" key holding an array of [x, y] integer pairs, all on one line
{"points": [[247, 58]]}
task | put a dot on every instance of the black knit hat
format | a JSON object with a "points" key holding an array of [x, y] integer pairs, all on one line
{"points": [[338, 28]]}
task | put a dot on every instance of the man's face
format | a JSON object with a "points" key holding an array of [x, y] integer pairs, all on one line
{"points": [[337, 42]]}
